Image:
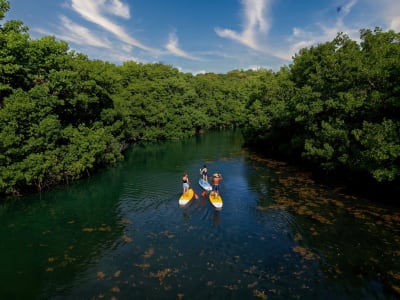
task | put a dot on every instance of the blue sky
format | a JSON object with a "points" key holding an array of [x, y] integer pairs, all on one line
{"points": [[199, 36]]}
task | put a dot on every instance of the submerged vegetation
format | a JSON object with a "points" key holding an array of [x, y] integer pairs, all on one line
{"points": [[63, 115]]}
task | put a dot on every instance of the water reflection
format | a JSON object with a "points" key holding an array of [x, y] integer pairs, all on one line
{"points": [[122, 235], [216, 217]]}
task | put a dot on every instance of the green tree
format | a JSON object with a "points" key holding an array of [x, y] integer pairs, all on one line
{"points": [[343, 114], [13, 44], [270, 112]]}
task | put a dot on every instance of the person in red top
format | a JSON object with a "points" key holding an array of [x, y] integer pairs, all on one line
{"points": [[216, 178]]}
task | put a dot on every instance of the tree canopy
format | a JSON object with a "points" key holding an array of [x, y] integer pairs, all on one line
{"points": [[343, 111], [63, 115]]}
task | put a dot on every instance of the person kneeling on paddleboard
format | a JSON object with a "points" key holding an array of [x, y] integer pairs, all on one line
{"points": [[217, 177], [203, 172], [185, 181]]}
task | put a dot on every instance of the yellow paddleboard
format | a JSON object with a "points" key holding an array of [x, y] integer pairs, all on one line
{"points": [[216, 201], [186, 197]]}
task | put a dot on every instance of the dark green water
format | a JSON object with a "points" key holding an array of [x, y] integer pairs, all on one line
{"points": [[121, 234]]}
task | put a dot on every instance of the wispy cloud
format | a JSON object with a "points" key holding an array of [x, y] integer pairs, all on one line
{"points": [[344, 11], [95, 10], [80, 35], [258, 42], [255, 22], [320, 32], [395, 24], [350, 18], [173, 47], [117, 8]]}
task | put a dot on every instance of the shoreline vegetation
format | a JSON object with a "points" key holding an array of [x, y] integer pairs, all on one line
{"points": [[63, 116]]}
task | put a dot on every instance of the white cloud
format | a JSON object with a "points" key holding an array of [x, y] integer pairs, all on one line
{"points": [[256, 34], [255, 22], [80, 35], [352, 16], [93, 11], [117, 8], [173, 47], [346, 9], [320, 32], [395, 24]]}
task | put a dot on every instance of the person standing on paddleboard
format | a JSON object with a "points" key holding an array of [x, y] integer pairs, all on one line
{"points": [[216, 178], [185, 183], [203, 172]]}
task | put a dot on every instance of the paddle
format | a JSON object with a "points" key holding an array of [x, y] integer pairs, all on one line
{"points": [[195, 195]]}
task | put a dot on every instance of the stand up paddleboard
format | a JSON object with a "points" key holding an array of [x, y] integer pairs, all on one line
{"points": [[205, 185], [186, 197], [216, 201]]}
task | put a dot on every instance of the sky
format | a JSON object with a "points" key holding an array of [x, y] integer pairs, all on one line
{"points": [[201, 36]]}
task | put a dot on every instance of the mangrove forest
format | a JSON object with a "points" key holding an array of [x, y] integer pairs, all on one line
{"points": [[63, 116]]}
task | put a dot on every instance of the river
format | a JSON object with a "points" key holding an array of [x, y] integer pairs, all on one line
{"points": [[121, 234]]}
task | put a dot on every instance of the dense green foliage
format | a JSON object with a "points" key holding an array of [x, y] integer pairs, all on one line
{"points": [[63, 115], [341, 110]]}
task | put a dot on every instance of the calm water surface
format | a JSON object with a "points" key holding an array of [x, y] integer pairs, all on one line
{"points": [[121, 234]]}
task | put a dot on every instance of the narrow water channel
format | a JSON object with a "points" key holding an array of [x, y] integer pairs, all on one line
{"points": [[121, 233]]}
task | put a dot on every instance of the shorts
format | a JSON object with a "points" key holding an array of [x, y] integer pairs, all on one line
{"points": [[216, 188]]}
